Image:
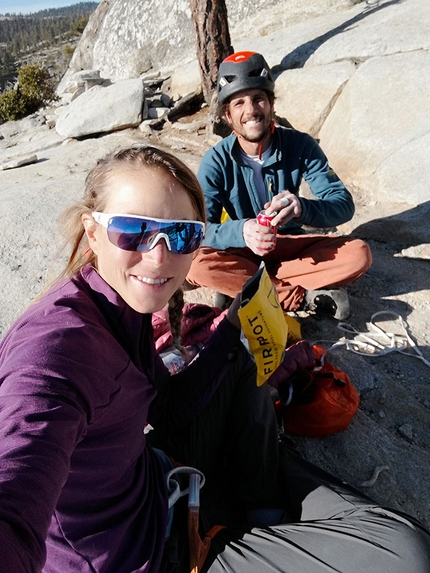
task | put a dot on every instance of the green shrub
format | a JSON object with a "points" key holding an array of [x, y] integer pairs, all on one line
{"points": [[35, 89], [69, 50], [12, 106], [36, 86], [79, 26]]}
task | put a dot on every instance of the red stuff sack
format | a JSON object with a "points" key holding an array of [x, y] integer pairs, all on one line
{"points": [[323, 400]]}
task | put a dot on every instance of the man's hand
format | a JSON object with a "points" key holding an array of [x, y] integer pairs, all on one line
{"points": [[287, 205], [261, 240]]}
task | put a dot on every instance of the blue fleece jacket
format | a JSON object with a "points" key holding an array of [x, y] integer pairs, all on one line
{"points": [[228, 183]]}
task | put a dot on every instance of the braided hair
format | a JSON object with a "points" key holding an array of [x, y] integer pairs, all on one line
{"points": [[176, 304]]}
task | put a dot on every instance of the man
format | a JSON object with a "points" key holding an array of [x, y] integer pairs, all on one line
{"points": [[260, 166]]}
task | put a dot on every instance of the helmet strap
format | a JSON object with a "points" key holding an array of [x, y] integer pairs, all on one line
{"points": [[270, 131]]}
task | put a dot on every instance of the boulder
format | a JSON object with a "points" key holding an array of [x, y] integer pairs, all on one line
{"points": [[19, 162], [103, 109], [306, 98], [377, 134], [124, 39]]}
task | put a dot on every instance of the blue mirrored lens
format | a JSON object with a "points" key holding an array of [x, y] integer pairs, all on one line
{"points": [[139, 234]]}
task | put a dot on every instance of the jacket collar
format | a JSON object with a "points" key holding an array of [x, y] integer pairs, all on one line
{"points": [[233, 146], [127, 325]]}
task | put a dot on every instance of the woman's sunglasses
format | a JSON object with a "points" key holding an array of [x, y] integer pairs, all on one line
{"points": [[134, 233]]}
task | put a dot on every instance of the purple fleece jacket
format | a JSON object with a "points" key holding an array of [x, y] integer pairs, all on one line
{"points": [[79, 380]]}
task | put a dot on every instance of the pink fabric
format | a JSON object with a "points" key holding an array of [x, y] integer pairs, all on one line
{"points": [[198, 323], [300, 355], [200, 320]]}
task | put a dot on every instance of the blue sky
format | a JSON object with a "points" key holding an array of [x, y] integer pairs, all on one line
{"points": [[26, 6]]}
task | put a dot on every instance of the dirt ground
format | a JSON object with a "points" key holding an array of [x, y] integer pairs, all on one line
{"points": [[391, 429]]}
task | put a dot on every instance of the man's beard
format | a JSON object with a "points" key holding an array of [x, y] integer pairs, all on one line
{"points": [[257, 137]]}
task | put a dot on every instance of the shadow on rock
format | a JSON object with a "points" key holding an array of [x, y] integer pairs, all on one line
{"points": [[300, 55]]}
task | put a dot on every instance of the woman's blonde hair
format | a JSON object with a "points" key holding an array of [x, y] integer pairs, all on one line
{"points": [[96, 198]]}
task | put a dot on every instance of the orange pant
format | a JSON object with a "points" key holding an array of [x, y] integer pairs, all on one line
{"points": [[297, 264]]}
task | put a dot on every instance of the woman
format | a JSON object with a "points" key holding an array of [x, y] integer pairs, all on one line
{"points": [[79, 373], [81, 489]]}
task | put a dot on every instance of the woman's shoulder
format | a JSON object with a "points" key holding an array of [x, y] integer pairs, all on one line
{"points": [[67, 303], [64, 338], [65, 320]]}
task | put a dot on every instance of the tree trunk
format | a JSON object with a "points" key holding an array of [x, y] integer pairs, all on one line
{"points": [[213, 40]]}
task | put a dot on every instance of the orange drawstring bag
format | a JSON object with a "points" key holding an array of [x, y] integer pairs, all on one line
{"points": [[322, 400]]}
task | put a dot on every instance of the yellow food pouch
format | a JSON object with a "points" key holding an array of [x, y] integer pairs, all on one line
{"points": [[294, 329], [263, 324]]}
